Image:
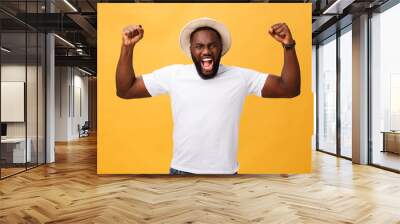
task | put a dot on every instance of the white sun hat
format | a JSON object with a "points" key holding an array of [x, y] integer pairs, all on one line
{"points": [[187, 30]]}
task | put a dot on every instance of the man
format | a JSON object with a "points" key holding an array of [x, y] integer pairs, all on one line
{"points": [[207, 97]]}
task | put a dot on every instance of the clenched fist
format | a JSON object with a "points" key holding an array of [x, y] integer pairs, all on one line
{"points": [[281, 33], [131, 35]]}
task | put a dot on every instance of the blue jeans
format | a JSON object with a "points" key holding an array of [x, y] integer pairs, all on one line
{"points": [[173, 171]]}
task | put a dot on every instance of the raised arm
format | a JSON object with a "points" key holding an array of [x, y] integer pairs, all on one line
{"points": [[288, 84], [128, 86]]}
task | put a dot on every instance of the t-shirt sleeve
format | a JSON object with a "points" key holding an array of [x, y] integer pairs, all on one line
{"points": [[255, 82], [158, 82]]}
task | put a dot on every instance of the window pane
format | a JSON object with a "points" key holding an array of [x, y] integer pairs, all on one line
{"points": [[346, 94], [314, 78], [31, 96], [14, 153], [385, 88], [327, 96]]}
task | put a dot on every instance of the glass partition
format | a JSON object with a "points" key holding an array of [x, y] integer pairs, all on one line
{"points": [[32, 95], [346, 92], [385, 89], [13, 103], [327, 95], [22, 77]]}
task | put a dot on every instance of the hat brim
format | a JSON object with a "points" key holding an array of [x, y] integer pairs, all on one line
{"points": [[187, 30]]}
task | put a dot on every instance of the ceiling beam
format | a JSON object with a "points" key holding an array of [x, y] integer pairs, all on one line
{"points": [[84, 24]]}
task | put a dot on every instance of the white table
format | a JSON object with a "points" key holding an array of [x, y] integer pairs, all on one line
{"points": [[18, 149]]}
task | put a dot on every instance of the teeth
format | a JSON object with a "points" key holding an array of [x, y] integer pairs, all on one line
{"points": [[206, 59]]}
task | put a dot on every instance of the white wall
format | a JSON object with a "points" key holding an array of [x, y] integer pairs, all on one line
{"points": [[62, 78], [80, 84], [71, 96]]}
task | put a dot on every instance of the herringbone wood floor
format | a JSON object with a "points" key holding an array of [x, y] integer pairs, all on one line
{"points": [[70, 191]]}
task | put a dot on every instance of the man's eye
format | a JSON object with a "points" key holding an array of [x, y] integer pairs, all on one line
{"points": [[199, 47]]}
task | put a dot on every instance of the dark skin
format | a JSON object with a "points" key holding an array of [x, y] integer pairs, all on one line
{"points": [[128, 86], [288, 84], [206, 46]]}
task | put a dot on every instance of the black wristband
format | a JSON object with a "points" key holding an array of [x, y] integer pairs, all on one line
{"points": [[289, 46]]}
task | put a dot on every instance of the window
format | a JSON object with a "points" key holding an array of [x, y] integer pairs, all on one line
{"points": [[385, 89], [327, 96], [346, 92]]}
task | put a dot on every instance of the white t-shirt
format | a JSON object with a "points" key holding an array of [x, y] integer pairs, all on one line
{"points": [[206, 114]]}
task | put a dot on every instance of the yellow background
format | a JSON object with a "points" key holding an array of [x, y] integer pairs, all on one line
{"points": [[135, 136]]}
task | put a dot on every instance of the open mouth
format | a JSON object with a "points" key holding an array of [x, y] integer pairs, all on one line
{"points": [[207, 64]]}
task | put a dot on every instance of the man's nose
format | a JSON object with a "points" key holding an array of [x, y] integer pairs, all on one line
{"points": [[206, 51]]}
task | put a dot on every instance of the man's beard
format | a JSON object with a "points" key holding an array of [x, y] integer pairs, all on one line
{"points": [[214, 70]]}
